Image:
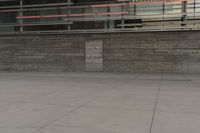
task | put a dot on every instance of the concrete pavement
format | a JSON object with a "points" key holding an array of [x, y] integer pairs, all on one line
{"points": [[33, 102]]}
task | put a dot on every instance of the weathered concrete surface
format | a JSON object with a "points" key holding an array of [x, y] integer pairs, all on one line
{"points": [[41, 102], [42, 53], [126, 52]]}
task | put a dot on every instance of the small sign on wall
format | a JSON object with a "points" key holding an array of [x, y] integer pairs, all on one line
{"points": [[94, 56]]}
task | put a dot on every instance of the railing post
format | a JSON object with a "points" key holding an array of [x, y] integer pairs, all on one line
{"points": [[69, 11], [163, 11], [122, 20], [194, 14], [135, 10], [107, 22], [184, 14], [21, 14]]}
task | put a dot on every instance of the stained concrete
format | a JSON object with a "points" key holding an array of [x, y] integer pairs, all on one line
{"points": [[32, 102], [122, 52]]}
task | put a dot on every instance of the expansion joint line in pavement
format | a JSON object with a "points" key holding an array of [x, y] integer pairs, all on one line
{"points": [[192, 82], [67, 114], [156, 102], [64, 115]]}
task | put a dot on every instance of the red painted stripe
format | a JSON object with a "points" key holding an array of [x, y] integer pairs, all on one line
{"points": [[79, 15], [71, 15], [55, 16]]}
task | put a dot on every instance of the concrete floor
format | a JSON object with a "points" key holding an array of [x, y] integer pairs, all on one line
{"points": [[99, 103]]}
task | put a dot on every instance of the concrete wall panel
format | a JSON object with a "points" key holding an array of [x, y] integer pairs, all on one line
{"points": [[122, 52]]}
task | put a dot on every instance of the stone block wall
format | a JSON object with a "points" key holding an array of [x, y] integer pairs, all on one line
{"points": [[153, 52], [122, 52], [42, 53]]}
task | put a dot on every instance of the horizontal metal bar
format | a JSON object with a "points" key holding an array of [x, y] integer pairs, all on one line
{"points": [[147, 22], [38, 5], [100, 31], [128, 25], [91, 5], [37, 24], [150, 9]]}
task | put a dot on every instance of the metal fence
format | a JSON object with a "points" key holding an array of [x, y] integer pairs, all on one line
{"points": [[104, 17]]}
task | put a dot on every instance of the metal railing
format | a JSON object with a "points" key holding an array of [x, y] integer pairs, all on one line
{"points": [[106, 17]]}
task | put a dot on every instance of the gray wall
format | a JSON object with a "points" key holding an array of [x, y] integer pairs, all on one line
{"points": [[42, 53], [122, 52]]}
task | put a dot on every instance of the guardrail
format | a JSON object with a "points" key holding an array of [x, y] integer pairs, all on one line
{"points": [[129, 16]]}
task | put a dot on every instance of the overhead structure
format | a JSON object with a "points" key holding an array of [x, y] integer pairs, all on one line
{"points": [[98, 15]]}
